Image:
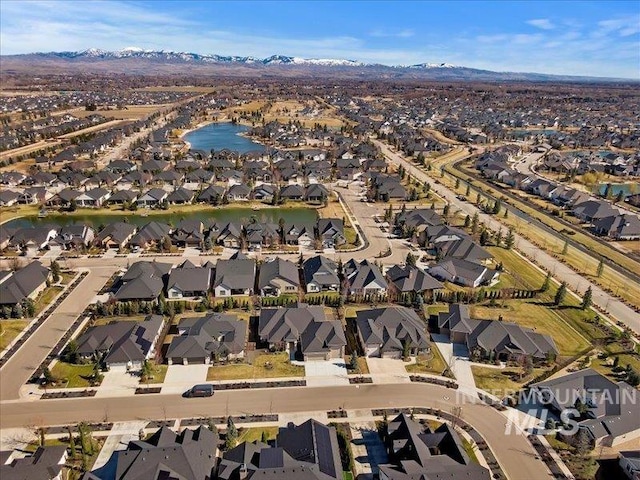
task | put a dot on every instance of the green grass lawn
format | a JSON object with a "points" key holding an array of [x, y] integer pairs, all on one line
{"points": [[542, 319], [76, 375], [468, 448], [501, 380], [10, 329], [255, 434], [264, 366], [159, 373], [45, 298], [429, 363]]}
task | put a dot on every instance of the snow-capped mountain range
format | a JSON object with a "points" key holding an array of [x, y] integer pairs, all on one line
{"points": [[170, 55], [138, 61]]}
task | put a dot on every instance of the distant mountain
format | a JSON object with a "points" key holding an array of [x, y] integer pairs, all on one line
{"points": [[134, 60]]}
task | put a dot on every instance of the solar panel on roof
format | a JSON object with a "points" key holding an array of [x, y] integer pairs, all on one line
{"points": [[325, 452]]}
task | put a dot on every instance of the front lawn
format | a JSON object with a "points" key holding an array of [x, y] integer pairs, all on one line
{"points": [[431, 362], [76, 376], [264, 366], [501, 381], [45, 298], [158, 373], [255, 434]]}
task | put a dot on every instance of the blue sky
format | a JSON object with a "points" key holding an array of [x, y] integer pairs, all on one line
{"points": [[562, 37]]}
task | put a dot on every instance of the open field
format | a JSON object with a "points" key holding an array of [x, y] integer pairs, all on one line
{"points": [[264, 366], [9, 330]]}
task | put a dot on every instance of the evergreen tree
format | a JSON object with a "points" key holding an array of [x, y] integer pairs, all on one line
{"points": [[467, 221], [353, 362], [55, 271], [499, 238], [600, 269], [565, 247], [484, 237], [411, 259], [547, 283], [468, 190], [231, 436], [510, 239], [445, 210], [561, 294], [264, 437], [587, 299], [474, 223]]}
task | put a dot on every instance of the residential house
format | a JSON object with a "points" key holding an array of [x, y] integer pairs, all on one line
{"points": [[28, 282], [292, 192], [188, 233], [143, 281], [45, 463], [411, 279], [115, 235], [418, 452], [8, 198], [316, 192], [278, 276], [320, 275], [463, 272], [188, 281], [200, 339], [122, 197], [93, 198], [619, 227], [239, 193], [364, 278], [393, 332], [612, 415], [303, 332], [33, 239], [122, 344], [593, 210], [191, 454], [331, 232], [264, 192], [152, 198], [309, 451], [230, 236], [180, 196], [212, 194], [303, 235], [71, 237], [234, 277], [151, 234]]}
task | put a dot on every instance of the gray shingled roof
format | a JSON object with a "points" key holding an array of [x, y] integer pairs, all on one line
{"points": [[236, 274], [278, 268], [201, 336], [392, 327], [17, 286], [320, 270], [412, 279]]}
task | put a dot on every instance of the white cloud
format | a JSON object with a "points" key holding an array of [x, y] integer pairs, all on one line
{"points": [[542, 23], [405, 33]]}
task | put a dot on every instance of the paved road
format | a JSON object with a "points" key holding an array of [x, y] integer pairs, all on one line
{"points": [[514, 452], [19, 368], [615, 308]]}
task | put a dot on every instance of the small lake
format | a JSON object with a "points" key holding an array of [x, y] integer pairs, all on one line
{"points": [[626, 189], [218, 136], [306, 216]]}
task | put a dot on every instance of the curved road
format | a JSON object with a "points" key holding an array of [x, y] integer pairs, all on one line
{"points": [[514, 453], [615, 308]]}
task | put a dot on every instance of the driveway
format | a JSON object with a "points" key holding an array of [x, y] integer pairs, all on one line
{"points": [[457, 357], [324, 373], [368, 450], [387, 370], [118, 382], [182, 377]]}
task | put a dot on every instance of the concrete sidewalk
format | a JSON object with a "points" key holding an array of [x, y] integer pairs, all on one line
{"points": [[457, 357]]}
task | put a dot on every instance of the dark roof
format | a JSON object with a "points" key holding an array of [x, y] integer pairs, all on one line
{"points": [[123, 341], [362, 274], [235, 274], [190, 279], [390, 328], [19, 285], [503, 336], [119, 231], [190, 455], [46, 462], [278, 268], [412, 279], [320, 270], [143, 281], [201, 336]]}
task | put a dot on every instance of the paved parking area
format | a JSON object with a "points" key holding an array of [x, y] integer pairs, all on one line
{"points": [[322, 373], [457, 356], [387, 370], [119, 437]]}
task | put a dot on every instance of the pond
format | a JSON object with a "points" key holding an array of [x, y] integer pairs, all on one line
{"points": [[306, 216], [626, 189], [218, 136]]}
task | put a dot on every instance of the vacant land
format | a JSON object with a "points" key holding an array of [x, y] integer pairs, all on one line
{"points": [[264, 366], [9, 330]]}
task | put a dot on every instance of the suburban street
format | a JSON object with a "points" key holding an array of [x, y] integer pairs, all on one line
{"points": [[19, 368], [616, 309], [514, 453]]}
